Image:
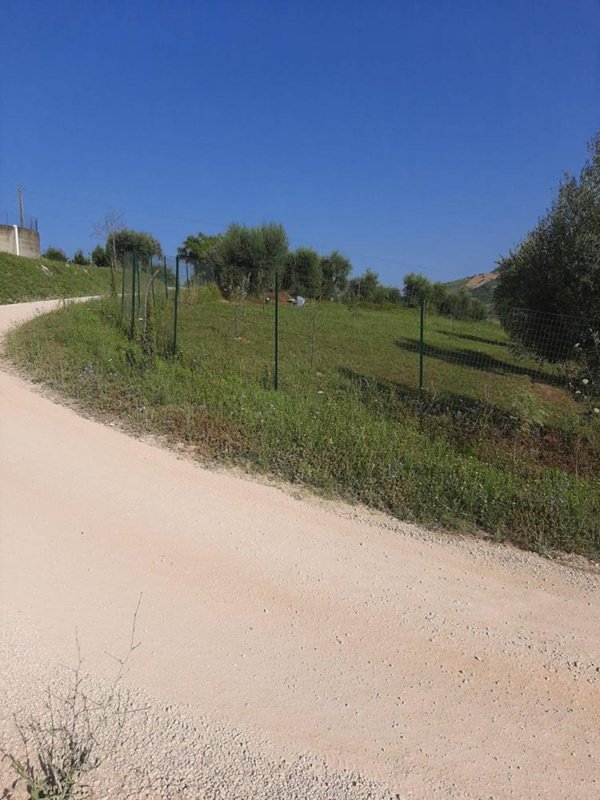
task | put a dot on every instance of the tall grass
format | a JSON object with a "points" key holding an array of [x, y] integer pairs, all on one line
{"points": [[349, 420]]}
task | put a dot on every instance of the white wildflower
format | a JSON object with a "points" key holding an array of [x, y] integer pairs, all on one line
{"points": [[585, 381]]}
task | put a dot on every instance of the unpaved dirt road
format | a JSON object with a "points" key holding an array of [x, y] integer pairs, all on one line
{"points": [[290, 647]]}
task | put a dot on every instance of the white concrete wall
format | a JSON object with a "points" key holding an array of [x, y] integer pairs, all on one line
{"points": [[29, 241]]}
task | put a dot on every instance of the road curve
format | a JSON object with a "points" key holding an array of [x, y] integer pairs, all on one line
{"points": [[290, 647]]}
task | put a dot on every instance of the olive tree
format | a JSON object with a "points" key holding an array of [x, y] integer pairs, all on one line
{"points": [[302, 273], [248, 257], [335, 270], [555, 273]]}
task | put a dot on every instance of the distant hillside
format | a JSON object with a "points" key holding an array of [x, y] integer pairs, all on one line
{"points": [[23, 279], [480, 286]]}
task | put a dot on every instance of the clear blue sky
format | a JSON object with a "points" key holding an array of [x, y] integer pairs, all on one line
{"points": [[421, 136]]}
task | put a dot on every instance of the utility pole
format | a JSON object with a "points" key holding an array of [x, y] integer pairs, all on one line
{"points": [[21, 211]]}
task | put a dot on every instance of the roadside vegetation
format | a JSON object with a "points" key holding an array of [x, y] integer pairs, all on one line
{"points": [[491, 445], [82, 725], [502, 435], [23, 279]]}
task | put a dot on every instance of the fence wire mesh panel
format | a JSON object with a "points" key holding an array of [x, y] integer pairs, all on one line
{"points": [[544, 354], [526, 382], [353, 344], [146, 301]]}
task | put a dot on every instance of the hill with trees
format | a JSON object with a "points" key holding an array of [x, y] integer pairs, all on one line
{"points": [[480, 286]]}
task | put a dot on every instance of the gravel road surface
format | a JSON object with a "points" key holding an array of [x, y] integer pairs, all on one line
{"points": [[290, 647]]}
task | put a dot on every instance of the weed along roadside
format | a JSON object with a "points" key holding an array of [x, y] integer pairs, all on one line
{"points": [[491, 443]]}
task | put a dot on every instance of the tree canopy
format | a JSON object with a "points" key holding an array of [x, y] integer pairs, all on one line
{"points": [[416, 288], [440, 299], [130, 241], [555, 271], [365, 287], [100, 257], [335, 269], [302, 272], [55, 254], [195, 250], [247, 257], [79, 258]]}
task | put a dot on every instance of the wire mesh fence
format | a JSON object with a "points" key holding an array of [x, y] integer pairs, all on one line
{"points": [[149, 299], [275, 342], [525, 349]]}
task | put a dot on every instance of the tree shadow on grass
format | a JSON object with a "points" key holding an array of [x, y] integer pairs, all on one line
{"points": [[471, 338], [469, 423], [484, 362], [389, 397]]}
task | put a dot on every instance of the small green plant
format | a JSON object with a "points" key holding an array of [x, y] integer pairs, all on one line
{"points": [[528, 416], [80, 728]]}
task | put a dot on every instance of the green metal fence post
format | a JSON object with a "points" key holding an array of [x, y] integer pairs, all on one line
{"points": [[421, 343], [132, 325], [150, 277], [139, 281], [166, 281], [122, 288], [276, 374], [176, 305]]}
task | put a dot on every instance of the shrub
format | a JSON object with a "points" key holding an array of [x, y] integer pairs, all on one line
{"points": [[55, 254], [79, 258]]}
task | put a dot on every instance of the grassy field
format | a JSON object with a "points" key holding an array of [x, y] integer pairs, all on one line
{"points": [[23, 279], [495, 444]]}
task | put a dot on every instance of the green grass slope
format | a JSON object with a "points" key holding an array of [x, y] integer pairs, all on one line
{"points": [[493, 444], [23, 279]]}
